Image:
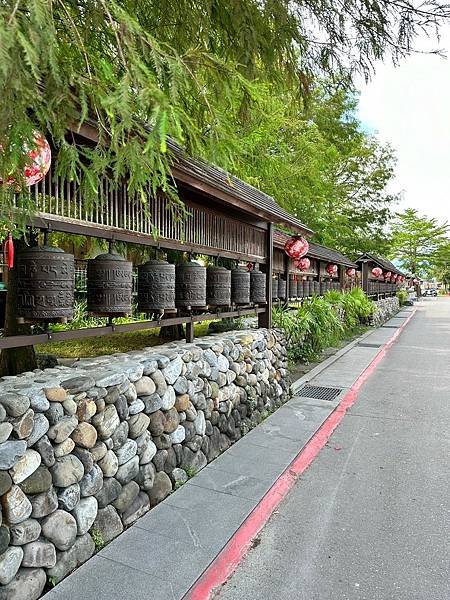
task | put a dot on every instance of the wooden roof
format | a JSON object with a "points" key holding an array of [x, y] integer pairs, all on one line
{"points": [[384, 263], [210, 180], [317, 251]]}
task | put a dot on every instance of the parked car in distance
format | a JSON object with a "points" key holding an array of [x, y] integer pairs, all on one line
{"points": [[430, 292]]}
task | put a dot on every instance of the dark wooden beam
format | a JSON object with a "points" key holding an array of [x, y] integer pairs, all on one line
{"points": [[18, 341], [265, 318]]}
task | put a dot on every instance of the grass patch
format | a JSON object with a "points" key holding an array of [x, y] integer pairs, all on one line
{"points": [[109, 344]]}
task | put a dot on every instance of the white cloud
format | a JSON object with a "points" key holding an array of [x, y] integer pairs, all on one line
{"points": [[409, 107]]}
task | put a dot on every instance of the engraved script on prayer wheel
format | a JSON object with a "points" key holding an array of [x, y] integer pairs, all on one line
{"points": [[240, 286], [156, 286], [257, 287], [45, 285], [218, 286], [109, 286], [300, 288], [190, 285]]}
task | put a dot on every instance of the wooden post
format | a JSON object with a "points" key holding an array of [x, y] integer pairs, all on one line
{"points": [[189, 332], [286, 274], [365, 277], [342, 277], [265, 318]]}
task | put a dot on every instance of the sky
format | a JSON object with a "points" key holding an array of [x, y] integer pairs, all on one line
{"points": [[409, 107]]}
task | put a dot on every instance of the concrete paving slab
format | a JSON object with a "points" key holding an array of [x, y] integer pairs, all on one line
{"points": [[159, 556], [395, 322], [242, 486], [379, 336], [200, 515], [346, 371], [102, 578]]}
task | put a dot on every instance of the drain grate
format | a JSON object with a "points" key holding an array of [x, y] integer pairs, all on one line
{"points": [[363, 345], [319, 392]]}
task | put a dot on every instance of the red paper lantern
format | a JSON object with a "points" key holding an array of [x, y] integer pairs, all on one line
{"points": [[40, 158], [351, 272], [415, 281], [387, 275], [331, 269], [376, 271], [8, 252], [303, 264], [296, 247], [394, 276]]}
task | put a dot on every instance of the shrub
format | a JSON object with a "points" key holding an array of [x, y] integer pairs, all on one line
{"points": [[402, 296], [322, 322]]}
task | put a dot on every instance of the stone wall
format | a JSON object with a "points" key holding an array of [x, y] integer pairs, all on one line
{"points": [[386, 308], [87, 450]]}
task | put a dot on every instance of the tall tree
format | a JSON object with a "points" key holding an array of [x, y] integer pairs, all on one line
{"points": [[320, 165], [417, 241]]}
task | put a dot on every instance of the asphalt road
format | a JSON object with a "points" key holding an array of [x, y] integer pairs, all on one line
{"points": [[370, 519]]}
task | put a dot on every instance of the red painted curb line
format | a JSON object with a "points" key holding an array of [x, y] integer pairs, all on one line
{"points": [[226, 562]]}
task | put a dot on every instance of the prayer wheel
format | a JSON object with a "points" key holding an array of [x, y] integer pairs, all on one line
{"points": [[292, 292], [257, 287], [156, 286], [240, 286], [275, 288], [109, 286], [218, 286], [45, 285], [190, 285], [282, 288]]}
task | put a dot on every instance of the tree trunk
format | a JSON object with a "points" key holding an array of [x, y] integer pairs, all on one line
{"points": [[15, 360]]}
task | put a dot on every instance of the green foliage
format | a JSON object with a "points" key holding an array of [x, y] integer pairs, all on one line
{"points": [[322, 322], [319, 165], [190, 472], [402, 296], [419, 243], [97, 538]]}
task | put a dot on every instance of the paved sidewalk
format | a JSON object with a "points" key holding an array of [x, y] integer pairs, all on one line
{"points": [[164, 553]]}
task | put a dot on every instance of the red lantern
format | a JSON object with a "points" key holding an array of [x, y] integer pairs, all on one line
{"points": [[40, 158], [377, 272], [415, 281], [296, 247], [303, 264], [351, 272], [8, 252], [331, 269], [394, 276]]}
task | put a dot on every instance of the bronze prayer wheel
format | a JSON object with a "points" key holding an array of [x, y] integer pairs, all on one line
{"points": [[257, 287], [282, 288], [109, 286], [45, 285], [240, 286], [156, 286], [292, 292], [190, 285], [218, 286], [275, 288]]}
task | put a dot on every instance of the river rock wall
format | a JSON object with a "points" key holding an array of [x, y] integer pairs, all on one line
{"points": [[386, 308], [86, 450]]}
